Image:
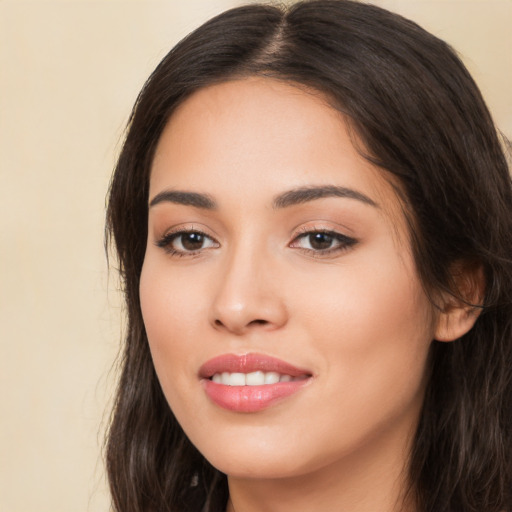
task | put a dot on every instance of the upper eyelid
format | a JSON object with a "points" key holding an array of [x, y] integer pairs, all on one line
{"points": [[306, 230], [324, 225], [334, 234], [300, 232], [188, 228], [166, 242], [343, 241], [170, 235]]}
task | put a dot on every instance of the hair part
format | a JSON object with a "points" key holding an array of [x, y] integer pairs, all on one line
{"points": [[419, 117]]}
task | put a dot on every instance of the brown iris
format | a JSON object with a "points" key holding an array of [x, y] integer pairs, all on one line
{"points": [[192, 241], [320, 241]]}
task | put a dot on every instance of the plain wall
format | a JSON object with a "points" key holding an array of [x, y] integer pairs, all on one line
{"points": [[69, 74]]}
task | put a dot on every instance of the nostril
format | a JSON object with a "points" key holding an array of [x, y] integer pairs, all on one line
{"points": [[219, 323], [239, 327], [258, 322]]}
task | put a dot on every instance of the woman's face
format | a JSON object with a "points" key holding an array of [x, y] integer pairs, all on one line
{"points": [[286, 320]]}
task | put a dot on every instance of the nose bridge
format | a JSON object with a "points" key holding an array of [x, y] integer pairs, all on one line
{"points": [[246, 296]]}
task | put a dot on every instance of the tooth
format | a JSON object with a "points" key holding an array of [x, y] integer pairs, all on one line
{"points": [[237, 379], [271, 378], [255, 379]]}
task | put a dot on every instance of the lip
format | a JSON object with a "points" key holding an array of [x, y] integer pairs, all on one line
{"points": [[247, 363], [250, 398]]}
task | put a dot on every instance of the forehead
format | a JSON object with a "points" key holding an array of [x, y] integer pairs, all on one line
{"points": [[257, 137]]}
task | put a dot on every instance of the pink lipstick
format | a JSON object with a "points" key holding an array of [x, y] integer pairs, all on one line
{"points": [[250, 382]]}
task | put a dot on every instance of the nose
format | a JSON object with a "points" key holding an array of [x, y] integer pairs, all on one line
{"points": [[249, 295]]}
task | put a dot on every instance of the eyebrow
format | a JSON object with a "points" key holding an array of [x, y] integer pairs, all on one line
{"points": [[195, 199], [283, 200], [306, 194]]}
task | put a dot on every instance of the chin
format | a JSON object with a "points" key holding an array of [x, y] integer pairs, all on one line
{"points": [[257, 467], [253, 454], [264, 456]]}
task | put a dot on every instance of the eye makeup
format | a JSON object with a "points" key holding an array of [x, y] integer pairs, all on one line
{"points": [[322, 242], [183, 242], [186, 242]]}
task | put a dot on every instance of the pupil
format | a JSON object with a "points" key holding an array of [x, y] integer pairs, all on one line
{"points": [[192, 241], [320, 241]]}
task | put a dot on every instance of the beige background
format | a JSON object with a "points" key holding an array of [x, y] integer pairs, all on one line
{"points": [[69, 73]]}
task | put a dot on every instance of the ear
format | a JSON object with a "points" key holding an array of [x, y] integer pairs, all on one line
{"points": [[460, 311]]}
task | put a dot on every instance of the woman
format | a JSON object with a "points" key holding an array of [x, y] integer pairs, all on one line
{"points": [[312, 213]]}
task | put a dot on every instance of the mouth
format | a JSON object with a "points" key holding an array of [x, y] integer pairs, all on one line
{"points": [[250, 382], [257, 378]]}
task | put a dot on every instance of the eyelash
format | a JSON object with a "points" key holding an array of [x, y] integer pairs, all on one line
{"points": [[343, 242], [166, 242]]}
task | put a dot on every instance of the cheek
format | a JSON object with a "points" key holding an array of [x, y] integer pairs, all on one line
{"points": [[169, 318], [171, 310], [374, 323], [374, 291], [171, 300]]}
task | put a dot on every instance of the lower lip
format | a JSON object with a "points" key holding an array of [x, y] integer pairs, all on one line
{"points": [[251, 398]]}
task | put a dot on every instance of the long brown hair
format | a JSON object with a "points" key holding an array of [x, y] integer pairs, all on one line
{"points": [[420, 117]]}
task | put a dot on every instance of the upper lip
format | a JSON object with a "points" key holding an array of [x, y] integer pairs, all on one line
{"points": [[247, 363]]}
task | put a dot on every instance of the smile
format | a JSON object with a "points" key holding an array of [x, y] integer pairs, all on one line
{"points": [[250, 382], [253, 379]]}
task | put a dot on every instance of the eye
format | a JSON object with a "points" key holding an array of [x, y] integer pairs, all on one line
{"points": [[322, 242], [185, 243]]}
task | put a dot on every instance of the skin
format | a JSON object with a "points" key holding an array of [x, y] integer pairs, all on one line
{"points": [[356, 317]]}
